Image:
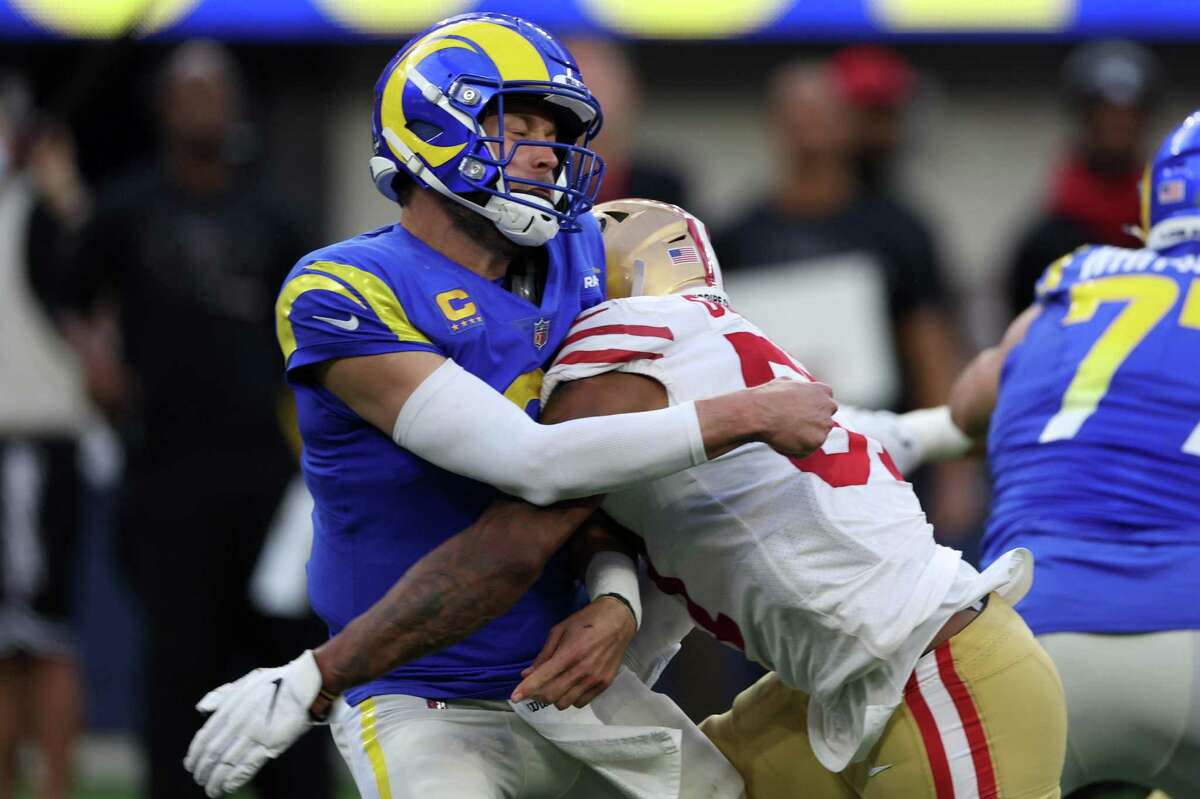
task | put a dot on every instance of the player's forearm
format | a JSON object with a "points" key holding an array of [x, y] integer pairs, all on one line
{"points": [[728, 421], [463, 584], [456, 421], [599, 534], [725, 421], [973, 396], [495, 442], [603, 554]]}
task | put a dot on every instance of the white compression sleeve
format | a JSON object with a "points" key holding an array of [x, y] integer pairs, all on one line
{"points": [[664, 624], [460, 423], [611, 572]]}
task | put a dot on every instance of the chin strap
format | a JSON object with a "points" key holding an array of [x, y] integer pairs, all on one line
{"points": [[521, 224]]}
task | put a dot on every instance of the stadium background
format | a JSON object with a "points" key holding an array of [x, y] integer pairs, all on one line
{"points": [[986, 127]]}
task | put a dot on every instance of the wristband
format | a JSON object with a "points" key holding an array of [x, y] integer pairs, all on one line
{"points": [[615, 574], [331, 698], [624, 602], [936, 435]]}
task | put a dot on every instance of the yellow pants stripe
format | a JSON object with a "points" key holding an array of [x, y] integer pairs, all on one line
{"points": [[373, 750]]}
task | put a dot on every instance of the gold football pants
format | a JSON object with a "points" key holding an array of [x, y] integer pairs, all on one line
{"points": [[983, 715]]}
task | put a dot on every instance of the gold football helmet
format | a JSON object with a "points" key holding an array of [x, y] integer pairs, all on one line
{"points": [[655, 248]]}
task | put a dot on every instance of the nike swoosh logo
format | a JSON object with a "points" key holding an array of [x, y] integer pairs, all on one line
{"points": [[344, 324], [278, 683], [871, 772]]}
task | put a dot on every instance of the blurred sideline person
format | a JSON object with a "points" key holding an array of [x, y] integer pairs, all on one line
{"points": [[878, 86], [613, 82], [1096, 414], [1112, 89], [43, 413], [858, 248], [189, 250], [415, 352]]}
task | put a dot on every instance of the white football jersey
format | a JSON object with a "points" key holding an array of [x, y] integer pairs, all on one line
{"points": [[823, 569]]}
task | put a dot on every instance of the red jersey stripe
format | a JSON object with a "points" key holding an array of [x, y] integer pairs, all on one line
{"points": [[985, 772], [606, 356], [890, 465], [629, 330], [586, 316], [943, 783], [722, 627]]}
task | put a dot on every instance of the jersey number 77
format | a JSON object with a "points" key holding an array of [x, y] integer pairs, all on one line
{"points": [[1148, 298]]}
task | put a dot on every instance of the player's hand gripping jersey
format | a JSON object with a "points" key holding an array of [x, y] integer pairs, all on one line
{"points": [[378, 507], [823, 569], [1095, 444]]}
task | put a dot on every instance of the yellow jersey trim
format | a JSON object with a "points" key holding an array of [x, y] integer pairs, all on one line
{"points": [[1053, 277], [525, 389], [287, 298]]}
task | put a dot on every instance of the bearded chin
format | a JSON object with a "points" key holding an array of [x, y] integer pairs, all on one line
{"points": [[479, 227]]}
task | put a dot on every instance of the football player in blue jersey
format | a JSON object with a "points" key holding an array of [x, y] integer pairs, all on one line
{"points": [[415, 354], [1090, 407]]}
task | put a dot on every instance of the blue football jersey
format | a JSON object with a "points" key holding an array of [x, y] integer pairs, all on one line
{"points": [[379, 508], [1095, 444]]}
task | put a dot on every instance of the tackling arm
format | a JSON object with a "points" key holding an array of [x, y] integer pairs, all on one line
{"points": [[451, 418]]}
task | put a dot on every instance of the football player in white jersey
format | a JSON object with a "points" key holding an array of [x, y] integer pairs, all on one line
{"points": [[898, 670]]}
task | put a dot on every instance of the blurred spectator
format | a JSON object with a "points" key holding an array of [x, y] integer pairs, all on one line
{"points": [[847, 278], [43, 412], [877, 85], [606, 67], [190, 250], [820, 223], [1112, 88]]}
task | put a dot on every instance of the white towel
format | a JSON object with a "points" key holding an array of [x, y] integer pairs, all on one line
{"points": [[665, 623], [640, 742], [279, 584]]}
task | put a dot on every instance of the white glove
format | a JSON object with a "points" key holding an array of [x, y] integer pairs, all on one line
{"points": [[254, 719]]}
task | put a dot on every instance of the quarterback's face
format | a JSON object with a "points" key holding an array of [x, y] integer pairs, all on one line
{"points": [[527, 121]]}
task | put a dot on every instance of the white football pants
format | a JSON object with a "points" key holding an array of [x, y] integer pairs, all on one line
{"points": [[406, 747], [1133, 708]]}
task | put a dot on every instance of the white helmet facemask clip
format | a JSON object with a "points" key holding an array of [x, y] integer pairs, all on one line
{"points": [[519, 223]]}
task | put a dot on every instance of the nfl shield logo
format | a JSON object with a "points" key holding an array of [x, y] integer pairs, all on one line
{"points": [[541, 333]]}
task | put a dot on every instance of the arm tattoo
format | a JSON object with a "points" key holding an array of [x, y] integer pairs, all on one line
{"points": [[463, 584]]}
